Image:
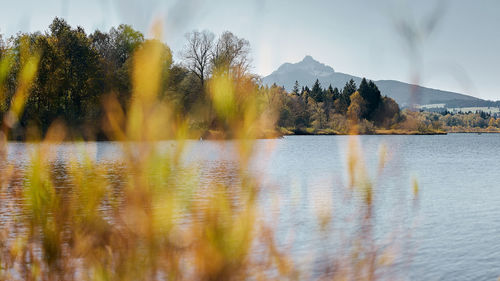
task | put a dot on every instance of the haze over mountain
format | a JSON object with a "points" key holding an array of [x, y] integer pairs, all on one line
{"points": [[308, 70]]}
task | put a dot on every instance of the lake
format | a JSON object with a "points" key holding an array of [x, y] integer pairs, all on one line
{"points": [[449, 231]]}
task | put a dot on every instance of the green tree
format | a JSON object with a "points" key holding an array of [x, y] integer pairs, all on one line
{"points": [[70, 79], [336, 93], [387, 114], [328, 103], [296, 88], [371, 94], [305, 94], [317, 92], [125, 41], [344, 100]]}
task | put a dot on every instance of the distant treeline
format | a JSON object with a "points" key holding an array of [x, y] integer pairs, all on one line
{"points": [[77, 72], [356, 108], [472, 103]]}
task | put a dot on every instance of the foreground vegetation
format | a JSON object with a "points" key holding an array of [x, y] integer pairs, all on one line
{"points": [[150, 217]]}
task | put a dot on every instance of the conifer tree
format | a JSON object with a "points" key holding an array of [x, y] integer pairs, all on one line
{"points": [[371, 94], [296, 88], [317, 92]]}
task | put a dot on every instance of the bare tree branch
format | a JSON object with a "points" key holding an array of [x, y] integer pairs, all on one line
{"points": [[197, 53]]}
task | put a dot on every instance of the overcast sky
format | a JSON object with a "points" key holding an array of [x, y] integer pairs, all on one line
{"points": [[451, 45]]}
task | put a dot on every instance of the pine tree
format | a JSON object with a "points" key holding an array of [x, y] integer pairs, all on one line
{"points": [[330, 89], [349, 88], [306, 93], [336, 93], [344, 100], [371, 94], [296, 88], [317, 92], [328, 103]]}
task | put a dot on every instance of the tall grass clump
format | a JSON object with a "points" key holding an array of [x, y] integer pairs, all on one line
{"points": [[158, 221]]}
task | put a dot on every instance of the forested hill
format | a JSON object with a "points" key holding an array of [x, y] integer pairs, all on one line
{"points": [[308, 70]]}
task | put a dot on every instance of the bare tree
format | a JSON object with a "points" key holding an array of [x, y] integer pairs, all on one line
{"points": [[198, 53], [231, 54]]}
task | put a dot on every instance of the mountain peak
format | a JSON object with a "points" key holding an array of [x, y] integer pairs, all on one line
{"points": [[309, 65], [308, 70], [309, 59]]}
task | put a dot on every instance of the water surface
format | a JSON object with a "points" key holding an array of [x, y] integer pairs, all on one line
{"points": [[452, 232]]}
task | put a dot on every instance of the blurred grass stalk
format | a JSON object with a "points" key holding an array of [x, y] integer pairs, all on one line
{"points": [[153, 227]]}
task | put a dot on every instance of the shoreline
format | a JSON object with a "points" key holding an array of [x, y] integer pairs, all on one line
{"points": [[300, 133], [384, 132]]}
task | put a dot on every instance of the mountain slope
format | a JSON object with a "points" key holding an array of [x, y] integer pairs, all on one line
{"points": [[308, 70]]}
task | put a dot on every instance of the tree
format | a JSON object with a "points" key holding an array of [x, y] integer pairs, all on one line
{"points": [[317, 114], [349, 88], [125, 41], [115, 50], [328, 103], [317, 92], [69, 80], [3, 46], [101, 42], [387, 113], [492, 123], [372, 97], [183, 89], [356, 108], [230, 55], [197, 53], [344, 100], [330, 92], [296, 88], [305, 94], [336, 93]]}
